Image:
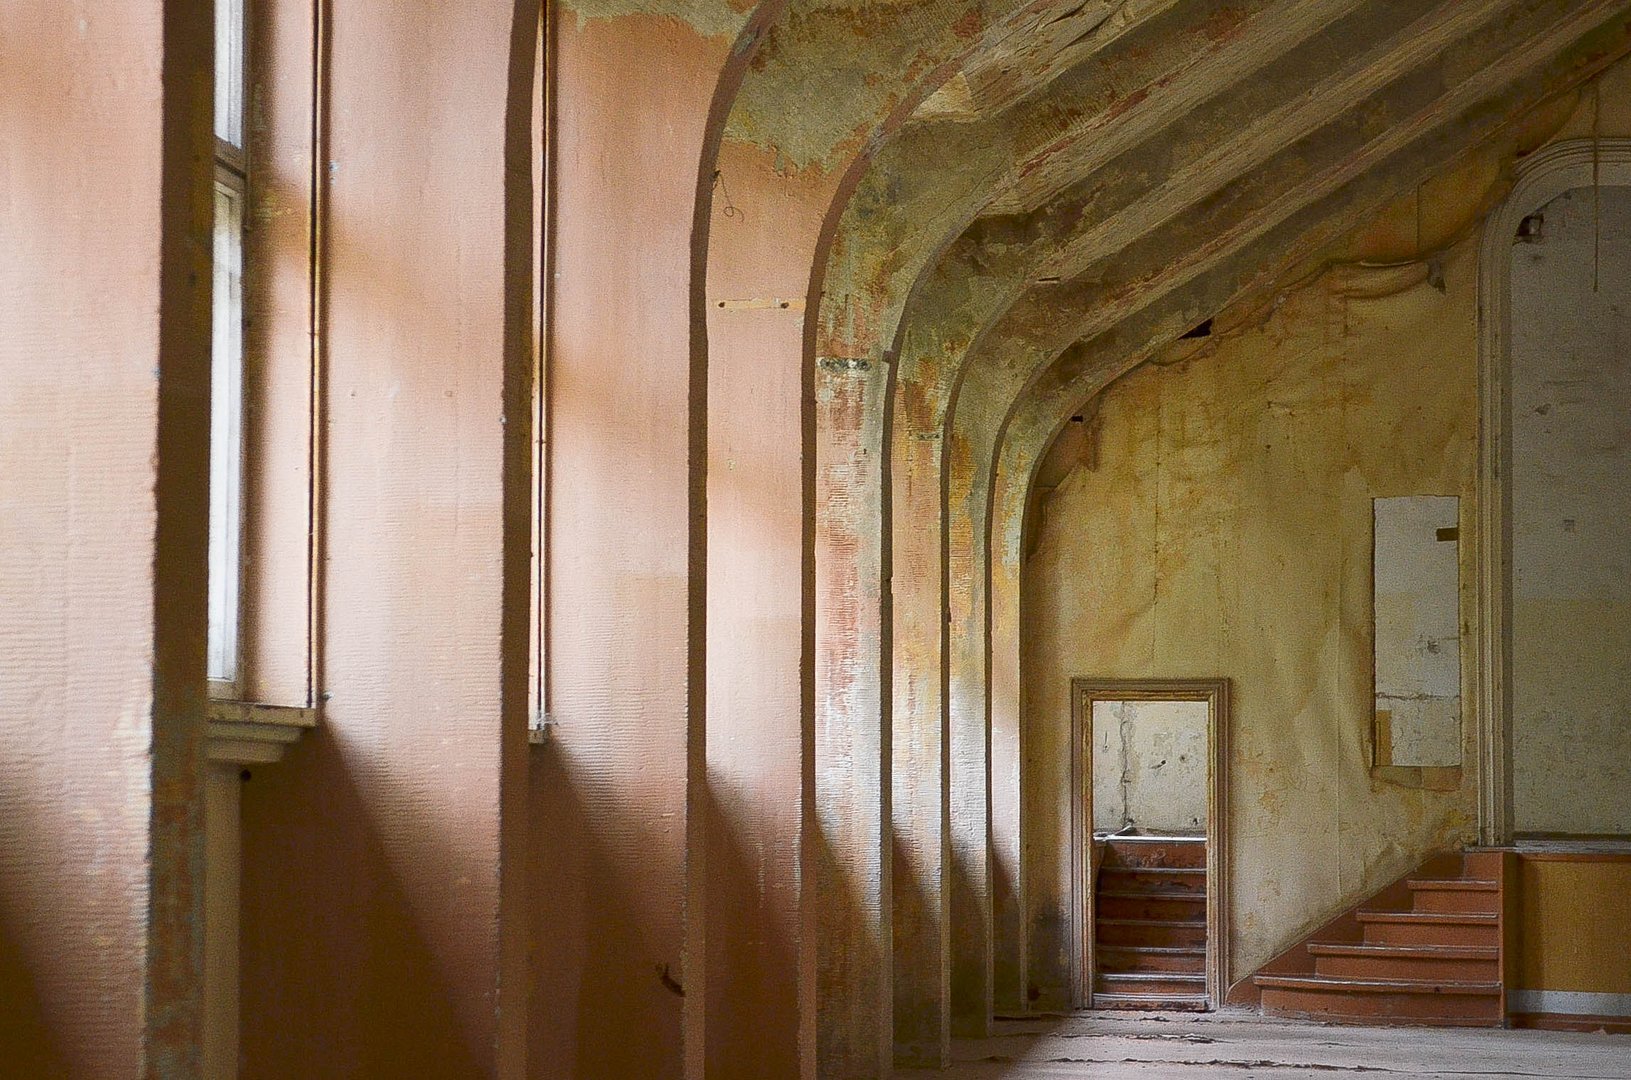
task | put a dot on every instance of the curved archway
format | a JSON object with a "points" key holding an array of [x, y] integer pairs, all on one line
{"points": [[1541, 178]]}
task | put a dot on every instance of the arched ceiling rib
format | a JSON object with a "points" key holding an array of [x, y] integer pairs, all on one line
{"points": [[1137, 75], [1036, 48], [999, 258], [1112, 317], [825, 77], [1060, 186], [1436, 78]]}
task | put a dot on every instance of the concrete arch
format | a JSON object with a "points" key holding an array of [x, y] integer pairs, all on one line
{"points": [[1174, 59], [996, 263]]}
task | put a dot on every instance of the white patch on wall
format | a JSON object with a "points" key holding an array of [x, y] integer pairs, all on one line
{"points": [[1571, 518], [1150, 766], [1418, 631]]}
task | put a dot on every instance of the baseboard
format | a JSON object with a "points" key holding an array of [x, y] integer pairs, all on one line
{"points": [[1569, 1010]]}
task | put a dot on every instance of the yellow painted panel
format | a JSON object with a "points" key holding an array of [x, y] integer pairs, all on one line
{"points": [[1574, 926]]}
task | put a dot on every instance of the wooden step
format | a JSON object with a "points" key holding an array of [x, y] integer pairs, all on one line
{"points": [[1382, 986], [1153, 878], [1464, 884], [1155, 894], [1150, 984], [1395, 962], [1187, 959], [1164, 932], [1154, 1002], [1392, 1001], [1465, 895], [1428, 952], [1167, 904], [1429, 928]]}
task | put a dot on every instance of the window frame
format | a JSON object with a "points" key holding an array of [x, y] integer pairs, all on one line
{"points": [[224, 646]]}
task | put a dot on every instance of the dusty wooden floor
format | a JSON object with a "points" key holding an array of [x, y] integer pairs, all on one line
{"points": [[1242, 1046]]}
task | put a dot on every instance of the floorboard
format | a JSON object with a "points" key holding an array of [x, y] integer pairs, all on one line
{"points": [[1244, 1046]]}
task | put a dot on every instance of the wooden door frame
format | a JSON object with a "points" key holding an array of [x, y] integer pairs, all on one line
{"points": [[1215, 692]]}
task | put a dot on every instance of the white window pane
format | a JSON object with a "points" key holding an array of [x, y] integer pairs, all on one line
{"points": [[229, 71], [226, 440]]}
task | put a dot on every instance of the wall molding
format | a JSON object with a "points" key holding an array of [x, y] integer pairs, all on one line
{"points": [[1569, 1002], [1539, 178]]}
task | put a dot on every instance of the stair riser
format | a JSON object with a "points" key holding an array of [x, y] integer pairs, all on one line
{"points": [[1135, 854], [1141, 907], [1487, 937], [1150, 934], [1384, 1008], [1175, 987], [1153, 1005], [1434, 964], [1110, 960], [1452, 900], [1121, 879], [1406, 967]]}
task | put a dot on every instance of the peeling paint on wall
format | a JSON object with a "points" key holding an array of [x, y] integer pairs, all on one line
{"points": [[1149, 766], [1226, 530]]}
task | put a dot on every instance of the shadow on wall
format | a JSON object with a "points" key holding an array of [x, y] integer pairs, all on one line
{"points": [[612, 1015], [1006, 920], [29, 1046], [338, 980], [840, 905], [914, 1006], [626, 1018], [759, 951], [1048, 987]]}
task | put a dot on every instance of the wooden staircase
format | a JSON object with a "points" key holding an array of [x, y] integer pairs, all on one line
{"points": [[1150, 925], [1424, 951]]}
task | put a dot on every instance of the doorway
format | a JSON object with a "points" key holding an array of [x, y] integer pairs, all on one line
{"points": [[1148, 842]]}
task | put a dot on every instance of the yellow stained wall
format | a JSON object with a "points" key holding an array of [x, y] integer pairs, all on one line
{"points": [[1224, 529]]}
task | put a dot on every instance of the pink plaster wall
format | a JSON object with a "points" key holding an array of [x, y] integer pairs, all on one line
{"points": [[374, 937], [100, 422], [609, 792]]}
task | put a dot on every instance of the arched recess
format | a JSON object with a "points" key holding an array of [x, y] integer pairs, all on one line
{"points": [[389, 851], [1540, 178], [617, 859]]}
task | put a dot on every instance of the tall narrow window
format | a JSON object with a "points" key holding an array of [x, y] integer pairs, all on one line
{"points": [[226, 374]]}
